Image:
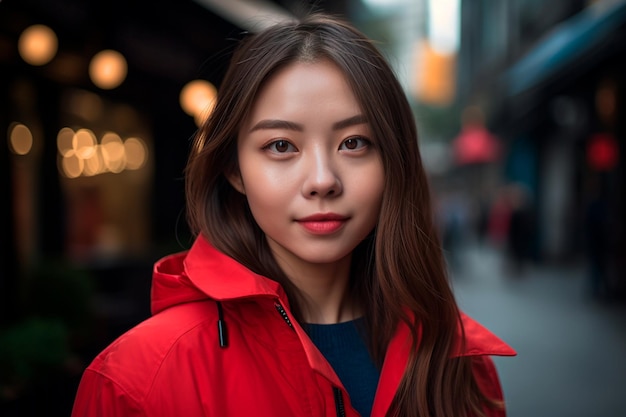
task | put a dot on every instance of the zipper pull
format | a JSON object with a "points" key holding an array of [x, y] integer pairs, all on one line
{"points": [[221, 326]]}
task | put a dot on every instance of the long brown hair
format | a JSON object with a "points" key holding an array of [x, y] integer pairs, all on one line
{"points": [[398, 272]]}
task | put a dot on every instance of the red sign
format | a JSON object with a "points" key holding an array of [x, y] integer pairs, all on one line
{"points": [[602, 152], [476, 145]]}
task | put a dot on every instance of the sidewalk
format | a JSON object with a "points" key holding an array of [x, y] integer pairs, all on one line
{"points": [[571, 349]]}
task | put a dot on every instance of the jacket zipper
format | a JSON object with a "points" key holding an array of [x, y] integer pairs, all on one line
{"points": [[339, 406], [283, 313]]}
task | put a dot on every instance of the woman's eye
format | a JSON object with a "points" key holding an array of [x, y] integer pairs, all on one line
{"points": [[281, 146], [354, 143]]}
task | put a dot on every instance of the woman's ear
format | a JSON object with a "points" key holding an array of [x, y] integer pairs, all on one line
{"points": [[234, 178]]}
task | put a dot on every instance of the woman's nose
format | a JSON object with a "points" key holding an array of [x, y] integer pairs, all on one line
{"points": [[323, 179]]}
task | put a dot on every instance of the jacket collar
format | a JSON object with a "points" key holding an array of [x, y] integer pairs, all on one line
{"points": [[478, 340], [222, 278], [204, 272]]}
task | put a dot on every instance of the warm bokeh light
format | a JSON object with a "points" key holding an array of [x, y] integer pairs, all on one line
{"points": [[113, 152], [72, 165], [84, 143], [81, 154], [38, 44], [20, 139], [94, 164], [136, 153], [197, 99], [108, 69], [65, 137]]}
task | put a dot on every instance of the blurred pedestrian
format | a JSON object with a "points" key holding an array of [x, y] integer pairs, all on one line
{"points": [[521, 229], [499, 219], [597, 237], [453, 212], [316, 285]]}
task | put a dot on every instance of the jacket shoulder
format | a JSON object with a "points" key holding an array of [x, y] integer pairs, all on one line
{"points": [[479, 344], [488, 381], [132, 362]]}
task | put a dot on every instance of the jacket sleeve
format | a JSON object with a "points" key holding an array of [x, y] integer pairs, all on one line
{"points": [[488, 381], [98, 396]]}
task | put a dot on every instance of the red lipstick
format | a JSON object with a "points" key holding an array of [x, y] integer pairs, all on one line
{"points": [[323, 223]]}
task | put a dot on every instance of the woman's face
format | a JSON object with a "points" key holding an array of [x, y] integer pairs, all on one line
{"points": [[309, 166]]}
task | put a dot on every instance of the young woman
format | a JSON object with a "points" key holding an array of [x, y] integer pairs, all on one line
{"points": [[316, 285]]}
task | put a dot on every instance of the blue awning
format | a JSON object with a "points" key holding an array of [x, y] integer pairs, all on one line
{"points": [[562, 46]]}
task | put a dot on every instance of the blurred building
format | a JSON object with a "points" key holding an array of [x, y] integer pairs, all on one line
{"points": [[98, 102], [92, 166], [551, 80]]}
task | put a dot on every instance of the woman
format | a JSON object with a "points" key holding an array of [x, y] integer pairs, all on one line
{"points": [[316, 285]]}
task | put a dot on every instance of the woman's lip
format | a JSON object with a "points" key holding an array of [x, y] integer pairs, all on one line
{"points": [[323, 217], [322, 226], [323, 223]]}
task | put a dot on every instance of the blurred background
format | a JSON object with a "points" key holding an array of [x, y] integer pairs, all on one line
{"points": [[520, 105]]}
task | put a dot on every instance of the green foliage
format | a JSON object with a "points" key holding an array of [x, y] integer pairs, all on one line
{"points": [[55, 289], [56, 311], [30, 347]]}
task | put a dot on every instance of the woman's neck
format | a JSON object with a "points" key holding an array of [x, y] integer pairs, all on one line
{"points": [[324, 291]]}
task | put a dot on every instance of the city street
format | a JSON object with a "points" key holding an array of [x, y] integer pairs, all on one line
{"points": [[571, 348]]}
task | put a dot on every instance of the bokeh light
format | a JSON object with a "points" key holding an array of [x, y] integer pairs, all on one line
{"points": [[20, 139], [38, 44], [108, 69], [81, 154], [72, 165], [84, 143], [65, 138], [197, 99], [136, 153], [113, 152]]}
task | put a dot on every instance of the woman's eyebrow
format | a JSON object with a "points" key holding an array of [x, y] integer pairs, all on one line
{"points": [[277, 124], [350, 121], [287, 125]]}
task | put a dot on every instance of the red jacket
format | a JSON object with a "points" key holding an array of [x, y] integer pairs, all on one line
{"points": [[173, 364]]}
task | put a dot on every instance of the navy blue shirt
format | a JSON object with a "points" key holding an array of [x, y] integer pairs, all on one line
{"points": [[344, 347]]}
